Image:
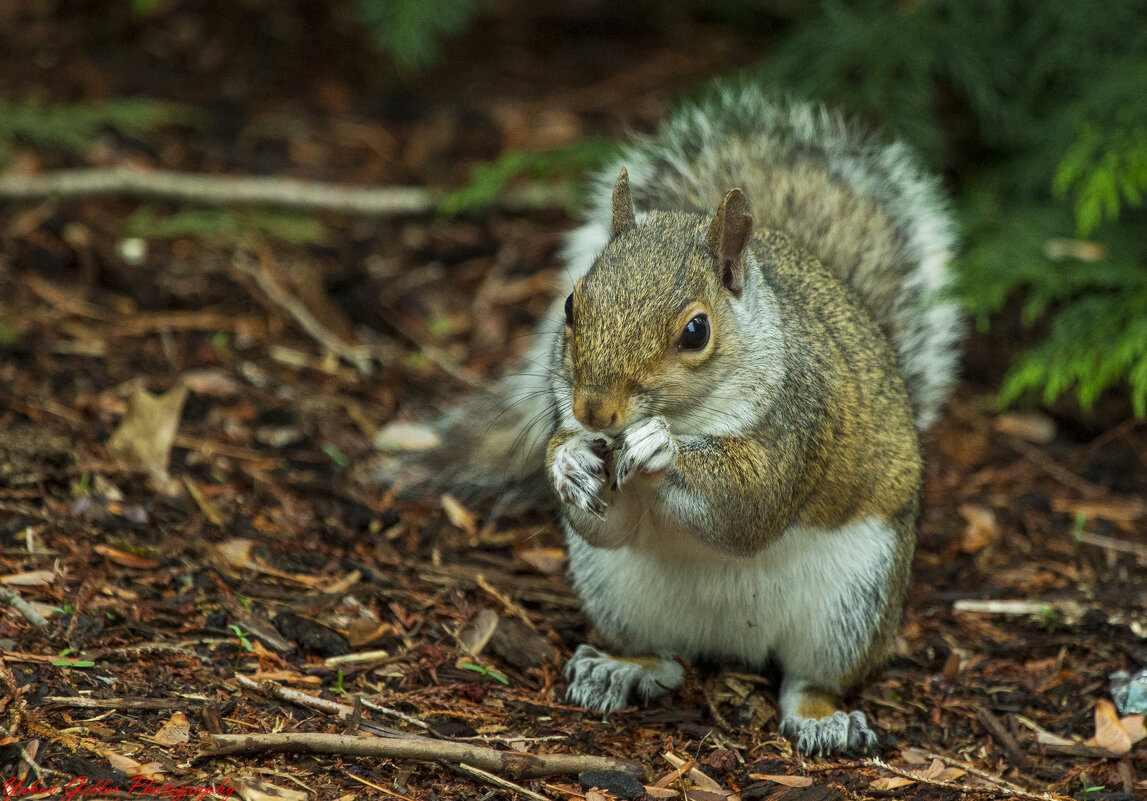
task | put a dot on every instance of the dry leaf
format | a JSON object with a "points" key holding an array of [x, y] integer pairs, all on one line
{"points": [[787, 781], [32, 578], [124, 558], [1109, 731], [1032, 426], [235, 552], [982, 529], [598, 795], [915, 756], [932, 771], [551, 561], [478, 633], [147, 431], [706, 795], [255, 790], [175, 732], [660, 792], [1133, 725], [891, 783], [458, 515], [133, 769], [400, 436]]}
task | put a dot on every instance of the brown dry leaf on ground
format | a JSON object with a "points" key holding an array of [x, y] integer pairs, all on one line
{"points": [[147, 432]]}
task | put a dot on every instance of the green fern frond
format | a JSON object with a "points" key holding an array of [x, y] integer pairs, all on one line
{"points": [[410, 31], [74, 127]]}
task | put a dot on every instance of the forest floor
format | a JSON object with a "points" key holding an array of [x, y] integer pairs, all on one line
{"points": [[199, 557]]}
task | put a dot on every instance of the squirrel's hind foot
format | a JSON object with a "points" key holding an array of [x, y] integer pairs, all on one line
{"points": [[840, 732], [605, 683], [811, 716]]}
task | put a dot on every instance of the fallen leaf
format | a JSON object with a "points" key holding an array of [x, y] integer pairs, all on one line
{"points": [[478, 633], [661, 792], [890, 783], [146, 432], [399, 436], [32, 578], [787, 781], [551, 561], [235, 552], [1109, 731], [981, 529], [916, 756], [458, 515], [124, 558], [1133, 725], [133, 769], [1032, 426], [175, 732], [255, 790]]}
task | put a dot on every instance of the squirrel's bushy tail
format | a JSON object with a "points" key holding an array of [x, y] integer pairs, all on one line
{"points": [[493, 443], [867, 209]]}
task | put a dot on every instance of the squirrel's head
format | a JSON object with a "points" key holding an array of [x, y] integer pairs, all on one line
{"points": [[648, 326]]}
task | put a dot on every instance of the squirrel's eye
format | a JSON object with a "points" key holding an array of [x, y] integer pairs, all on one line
{"points": [[569, 310], [696, 334]]}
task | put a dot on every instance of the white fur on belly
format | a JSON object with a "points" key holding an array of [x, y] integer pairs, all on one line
{"points": [[803, 600]]}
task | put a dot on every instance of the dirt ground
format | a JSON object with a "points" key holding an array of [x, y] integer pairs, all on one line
{"points": [[184, 591]]}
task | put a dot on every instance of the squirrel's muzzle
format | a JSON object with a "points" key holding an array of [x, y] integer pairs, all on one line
{"points": [[598, 411]]}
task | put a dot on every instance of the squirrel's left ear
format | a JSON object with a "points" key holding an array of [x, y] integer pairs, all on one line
{"points": [[623, 217], [727, 239]]}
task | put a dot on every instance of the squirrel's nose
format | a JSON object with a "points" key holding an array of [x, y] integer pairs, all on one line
{"points": [[596, 412]]}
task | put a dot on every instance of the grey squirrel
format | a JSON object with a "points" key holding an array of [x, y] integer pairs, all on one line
{"points": [[754, 335]]}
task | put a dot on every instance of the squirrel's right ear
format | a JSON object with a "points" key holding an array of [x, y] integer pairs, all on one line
{"points": [[623, 217], [727, 239]]}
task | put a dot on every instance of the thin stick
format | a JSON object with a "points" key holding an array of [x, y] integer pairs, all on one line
{"points": [[221, 190], [1007, 787], [514, 765], [247, 190], [23, 607], [497, 781]]}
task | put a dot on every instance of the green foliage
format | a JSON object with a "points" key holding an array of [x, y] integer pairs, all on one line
{"points": [[238, 226], [487, 181], [73, 128], [409, 31], [1036, 108]]}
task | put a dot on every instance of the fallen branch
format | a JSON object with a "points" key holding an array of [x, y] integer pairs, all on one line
{"points": [[23, 607], [513, 765], [249, 190]]}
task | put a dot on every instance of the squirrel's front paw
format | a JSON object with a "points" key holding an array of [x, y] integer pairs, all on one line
{"points": [[578, 473], [605, 683], [647, 448]]}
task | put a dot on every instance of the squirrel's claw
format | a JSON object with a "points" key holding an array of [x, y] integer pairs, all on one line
{"points": [[841, 732], [579, 476], [647, 447]]}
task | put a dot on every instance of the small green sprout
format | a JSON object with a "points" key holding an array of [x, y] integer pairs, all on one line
{"points": [[485, 671]]}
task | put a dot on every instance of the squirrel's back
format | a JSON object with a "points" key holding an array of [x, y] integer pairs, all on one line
{"points": [[867, 209]]}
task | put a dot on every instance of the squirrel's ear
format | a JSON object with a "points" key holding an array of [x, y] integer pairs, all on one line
{"points": [[623, 218], [727, 239]]}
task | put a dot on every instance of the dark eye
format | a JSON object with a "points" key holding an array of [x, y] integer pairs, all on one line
{"points": [[696, 334], [569, 310]]}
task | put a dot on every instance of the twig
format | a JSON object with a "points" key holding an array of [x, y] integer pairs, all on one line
{"points": [[357, 355], [1004, 737], [247, 190], [1005, 787], [222, 190], [517, 766], [23, 607], [85, 702], [497, 781]]}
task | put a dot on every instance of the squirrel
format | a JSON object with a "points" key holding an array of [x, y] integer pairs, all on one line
{"points": [[734, 398]]}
